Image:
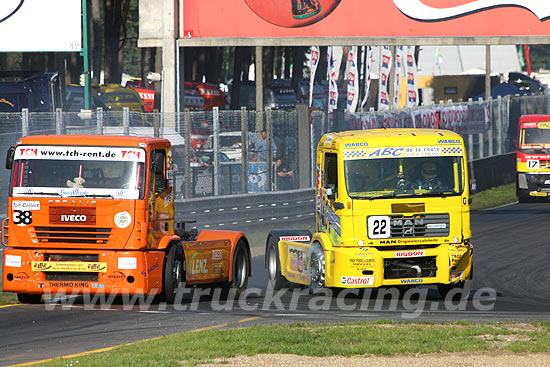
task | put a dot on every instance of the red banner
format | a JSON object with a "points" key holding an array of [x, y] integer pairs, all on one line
{"points": [[360, 18]]}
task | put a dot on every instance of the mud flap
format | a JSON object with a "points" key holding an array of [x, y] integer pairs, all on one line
{"points": [[295, 258]]}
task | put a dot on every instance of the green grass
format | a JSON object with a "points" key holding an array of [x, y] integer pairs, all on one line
{"points": [[368, 338], [494, 197]]}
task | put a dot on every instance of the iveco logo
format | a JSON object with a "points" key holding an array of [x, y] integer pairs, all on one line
{"points": [[73, 218], [356, 145], [416, 9]]}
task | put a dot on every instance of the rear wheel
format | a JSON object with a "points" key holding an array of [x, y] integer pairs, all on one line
{"points": [[317, 268], [274, 269], [241, 261], [29, 298], [173, 273]]}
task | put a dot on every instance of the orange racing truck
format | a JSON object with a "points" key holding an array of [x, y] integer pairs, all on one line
{"points": [[95, 214]]}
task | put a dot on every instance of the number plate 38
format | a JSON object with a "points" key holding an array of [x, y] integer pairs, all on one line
{"points": [[378, 226]]}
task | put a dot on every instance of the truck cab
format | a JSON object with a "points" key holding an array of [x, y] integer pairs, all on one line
{"points": [[92, 214], [392, 209], [533, 157]]}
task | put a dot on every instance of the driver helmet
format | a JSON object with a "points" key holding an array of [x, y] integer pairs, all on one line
{"points": [[429, 171]]}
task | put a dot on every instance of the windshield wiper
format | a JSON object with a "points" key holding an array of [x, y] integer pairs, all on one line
{"points": [[42, 193], [91, 196]]}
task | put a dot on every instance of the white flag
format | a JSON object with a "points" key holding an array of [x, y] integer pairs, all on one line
{"points": [[314, 62], [334, 57], [412, 78], [397, 75], [353, 80], [385, 69], [368, 60]]}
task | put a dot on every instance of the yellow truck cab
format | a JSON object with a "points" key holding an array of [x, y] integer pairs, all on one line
{"points": [[392, 209]]}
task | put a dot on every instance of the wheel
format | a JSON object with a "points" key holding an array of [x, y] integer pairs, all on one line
{"points": [[274, 269], [241, 261], [29, 298], [173, 273], [317, 268]]}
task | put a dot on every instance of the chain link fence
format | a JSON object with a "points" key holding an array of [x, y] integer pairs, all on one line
{"points": [[209, 147]]}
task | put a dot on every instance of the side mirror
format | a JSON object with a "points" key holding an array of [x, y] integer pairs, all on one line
{"points": [[9, 157], [473, 185]]}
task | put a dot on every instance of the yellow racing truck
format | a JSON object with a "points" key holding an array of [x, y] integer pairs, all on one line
{"points": [[392, 210]]}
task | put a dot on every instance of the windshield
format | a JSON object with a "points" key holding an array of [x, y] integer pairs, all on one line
{"points": [[392, 177], [112, 173], [535, 136]]}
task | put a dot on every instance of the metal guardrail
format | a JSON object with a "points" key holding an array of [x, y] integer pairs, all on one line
{"points": [[240, 211]]}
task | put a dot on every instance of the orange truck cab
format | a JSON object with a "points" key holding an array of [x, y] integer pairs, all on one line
{"points": [[95, 214], [533, 157]]}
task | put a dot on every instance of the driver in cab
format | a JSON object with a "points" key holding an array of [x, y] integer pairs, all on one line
{"points": [[428, 179]]}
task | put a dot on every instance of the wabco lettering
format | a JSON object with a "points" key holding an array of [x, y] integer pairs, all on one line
{"points": [[385, 152], [355, 145], [448, 141], [414, 253], [412, 281], [73, 218]]}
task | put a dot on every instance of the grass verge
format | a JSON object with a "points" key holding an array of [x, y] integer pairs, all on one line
{"points": [[368, 338]]}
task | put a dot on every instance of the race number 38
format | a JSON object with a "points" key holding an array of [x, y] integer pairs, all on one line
{"points": [[22, 217], [378, 226]]}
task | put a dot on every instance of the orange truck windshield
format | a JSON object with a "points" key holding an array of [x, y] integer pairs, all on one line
{"points": [[61, 171]]}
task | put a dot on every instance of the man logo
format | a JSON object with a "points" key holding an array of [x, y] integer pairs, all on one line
{"points": [[416, 9]]}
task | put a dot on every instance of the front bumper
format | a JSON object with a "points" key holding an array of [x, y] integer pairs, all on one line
{"points": [[534, 184], [68, 272], [369, 267]]}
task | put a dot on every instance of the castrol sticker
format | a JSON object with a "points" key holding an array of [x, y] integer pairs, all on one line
{"points": [[357, 280], [412, 253], [294, 238]]}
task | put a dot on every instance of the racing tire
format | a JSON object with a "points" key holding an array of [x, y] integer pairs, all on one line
{"points": [[274, 269], [240, 272], [173, 273], [29, 298], [317, 267]]}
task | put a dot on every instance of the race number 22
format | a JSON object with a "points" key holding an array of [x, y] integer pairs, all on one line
{"points": [[378, 226]]}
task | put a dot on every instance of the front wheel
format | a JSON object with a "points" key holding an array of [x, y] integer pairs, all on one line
{"points": [[241, 261], [173, 273], [274, 269], [29, 298], [445, 289], [317, 268]]}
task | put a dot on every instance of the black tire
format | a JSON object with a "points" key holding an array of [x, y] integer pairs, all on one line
{"points": [[173, 273], [29, 298], [274, 269], [317, 267], [240, 272]]}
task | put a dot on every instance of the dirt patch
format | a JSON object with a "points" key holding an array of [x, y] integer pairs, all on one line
{"points": [[487, 359]]}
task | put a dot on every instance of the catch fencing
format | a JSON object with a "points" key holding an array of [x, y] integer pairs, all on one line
{"points": [[209, 147]]}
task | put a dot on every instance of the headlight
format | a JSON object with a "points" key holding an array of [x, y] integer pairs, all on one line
{"points": [[522, 181]]}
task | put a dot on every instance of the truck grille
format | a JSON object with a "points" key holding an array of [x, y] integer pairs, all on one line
{"points": [[418, 267], [73, 235], [419, 225]]}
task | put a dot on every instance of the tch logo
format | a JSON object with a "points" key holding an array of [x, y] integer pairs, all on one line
{"points": [[416, 9]]}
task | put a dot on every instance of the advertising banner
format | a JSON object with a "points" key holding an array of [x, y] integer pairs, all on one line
{"points": [[385, 68], [353, 80], [40, 26], [359, 18], [412, 78], [397, 74], [313, 63], [368, 59]]}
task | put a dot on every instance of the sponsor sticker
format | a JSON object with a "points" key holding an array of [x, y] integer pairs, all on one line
{"points": [[25, 205], [436, 225], [116, 276], [357, 280], [411, 281], [13, 261], [123, 220], [69, 266], [127, 263], [295, 238], [217, 255], [411, 253]]}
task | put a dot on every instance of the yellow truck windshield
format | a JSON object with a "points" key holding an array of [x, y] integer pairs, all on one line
{"points": [[416, 176]]}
